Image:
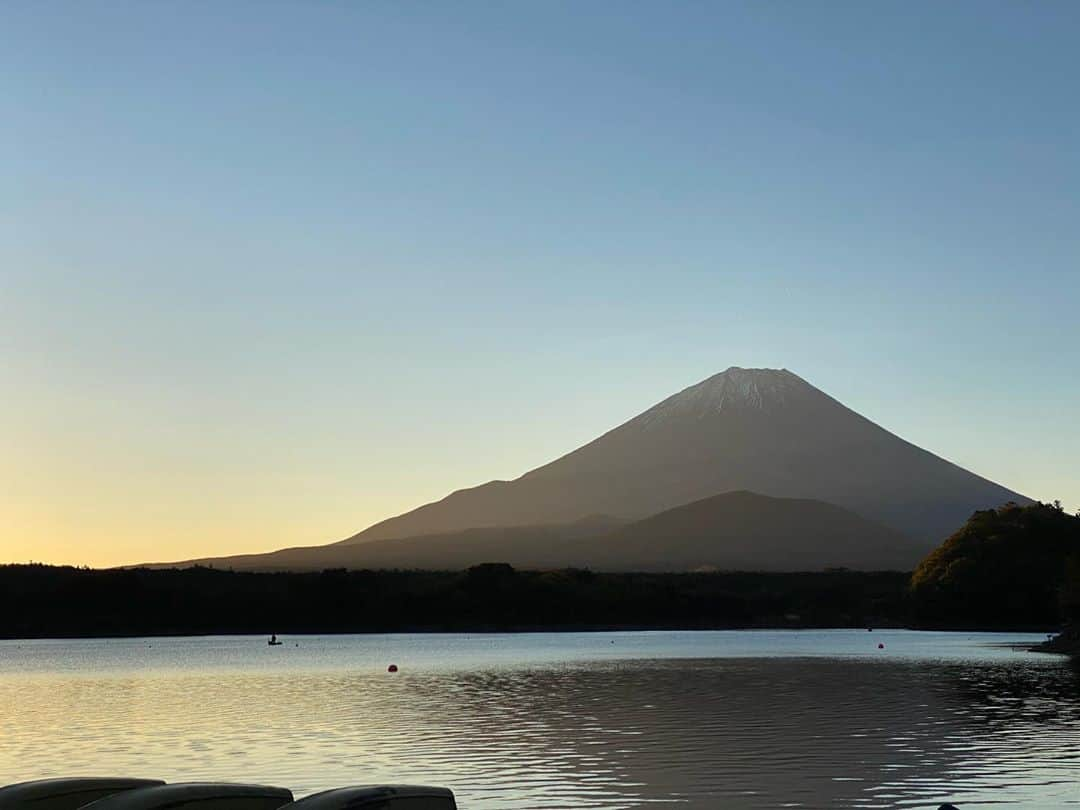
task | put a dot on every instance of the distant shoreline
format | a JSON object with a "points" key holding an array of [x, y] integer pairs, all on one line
{"points": [[43, 602], [1049, 647]]}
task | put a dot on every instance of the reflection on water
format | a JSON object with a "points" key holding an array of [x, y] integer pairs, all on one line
{"points": [[574, 725]]}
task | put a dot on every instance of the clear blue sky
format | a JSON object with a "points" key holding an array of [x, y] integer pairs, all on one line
{"points": [[272, 271]]}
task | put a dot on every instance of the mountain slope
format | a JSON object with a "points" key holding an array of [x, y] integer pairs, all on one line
{"points": [[733, 531], [522, 546], [764, 430]]}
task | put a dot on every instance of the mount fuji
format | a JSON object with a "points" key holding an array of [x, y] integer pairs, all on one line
{"points": [[761, 431]]}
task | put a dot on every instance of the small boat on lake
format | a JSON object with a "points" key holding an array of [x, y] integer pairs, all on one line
{"points": [[273, 641]]}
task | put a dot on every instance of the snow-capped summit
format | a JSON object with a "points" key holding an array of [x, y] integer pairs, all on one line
{"points": [[760, 388]]}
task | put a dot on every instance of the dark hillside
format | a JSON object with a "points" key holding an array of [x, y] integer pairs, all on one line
{"points": [[1005, 566], [745, 531]]}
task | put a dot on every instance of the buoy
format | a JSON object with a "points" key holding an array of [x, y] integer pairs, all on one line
{"points": [[881, 646], [392, 668]]}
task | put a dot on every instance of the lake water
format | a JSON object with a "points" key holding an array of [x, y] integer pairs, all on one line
{"points": [[591, 720]]}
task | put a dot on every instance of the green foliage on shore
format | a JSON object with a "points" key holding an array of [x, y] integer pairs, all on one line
{"points": [[42, 601], [1007, 566]]}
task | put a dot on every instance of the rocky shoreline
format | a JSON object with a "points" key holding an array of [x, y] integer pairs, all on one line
{"points": [[1066, 642]]}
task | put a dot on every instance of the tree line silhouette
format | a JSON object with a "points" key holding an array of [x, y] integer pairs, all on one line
{"points": [[44, 601]]}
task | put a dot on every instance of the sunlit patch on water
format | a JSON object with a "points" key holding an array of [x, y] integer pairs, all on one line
{"points": [[562, 721]]}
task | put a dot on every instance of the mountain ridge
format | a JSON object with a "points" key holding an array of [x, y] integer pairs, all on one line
{"points": [[731, 531], [747, 531]]}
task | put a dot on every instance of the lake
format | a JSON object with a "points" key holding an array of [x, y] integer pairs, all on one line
{"points": [[740, 719]]}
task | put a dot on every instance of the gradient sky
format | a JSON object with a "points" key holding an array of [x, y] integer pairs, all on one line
{"points": [[272, 271]]}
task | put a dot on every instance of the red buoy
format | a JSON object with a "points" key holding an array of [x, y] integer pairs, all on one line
{"points": [[392, 668]]}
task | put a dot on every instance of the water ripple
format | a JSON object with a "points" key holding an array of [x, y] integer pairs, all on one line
{"points": [[558, 730]]}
